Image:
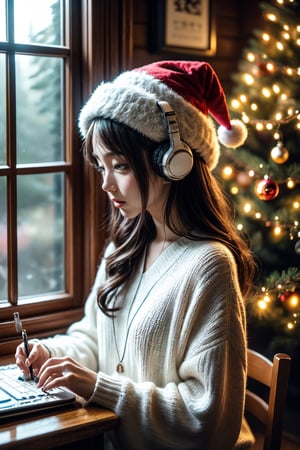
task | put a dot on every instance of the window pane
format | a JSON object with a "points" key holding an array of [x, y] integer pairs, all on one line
{"points": [[40, 234], [38, 22], [2, 110], [2, 21], [3, 241], [39, 106]]}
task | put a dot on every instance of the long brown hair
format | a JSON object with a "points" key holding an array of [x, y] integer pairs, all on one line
{"points": [[202, 209]]}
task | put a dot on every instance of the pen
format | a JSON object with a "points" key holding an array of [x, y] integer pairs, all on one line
{"points": [[19, 329], [25, 341]]}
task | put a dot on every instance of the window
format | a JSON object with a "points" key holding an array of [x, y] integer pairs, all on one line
{"points": [[52, 54], [39, 157]]}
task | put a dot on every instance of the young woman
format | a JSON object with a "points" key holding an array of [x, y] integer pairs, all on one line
{"points": [[163, 338]]}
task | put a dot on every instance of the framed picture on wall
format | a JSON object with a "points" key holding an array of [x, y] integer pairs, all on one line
{"points": [[182, 26]]}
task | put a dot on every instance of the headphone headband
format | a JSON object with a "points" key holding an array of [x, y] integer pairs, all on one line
{"points": [[173, 159]]}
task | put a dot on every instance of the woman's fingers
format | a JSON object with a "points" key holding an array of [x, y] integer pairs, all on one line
{"points": [[68, 373]]}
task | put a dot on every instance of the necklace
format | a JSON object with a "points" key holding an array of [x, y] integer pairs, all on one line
{"points": [[120, 365]]}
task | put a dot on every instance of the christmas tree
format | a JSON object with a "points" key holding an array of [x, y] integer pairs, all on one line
{"points": [[263, 176]]}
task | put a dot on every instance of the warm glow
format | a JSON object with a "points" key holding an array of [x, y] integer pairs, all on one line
{"points": [[293, 301], [290, 183], [261, 304], [248, 79], [277, 230], [280, 46], [251, 57], [296, 205], [227, 172], [272, 17], [253, 106], [234, 190], [266, 92], [247, 208], [235, 104], [265, 37]]}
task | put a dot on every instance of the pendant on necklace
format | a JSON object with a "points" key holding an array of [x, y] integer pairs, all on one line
{"points": [[120, 368]]}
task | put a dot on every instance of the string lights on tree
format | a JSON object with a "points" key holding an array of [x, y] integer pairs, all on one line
{"points": [[263, 177]]}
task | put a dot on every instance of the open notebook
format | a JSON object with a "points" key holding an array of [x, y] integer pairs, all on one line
{"points": [[19, 396]]}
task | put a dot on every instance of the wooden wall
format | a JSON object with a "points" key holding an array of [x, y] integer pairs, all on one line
{"points": [[234, 19]]}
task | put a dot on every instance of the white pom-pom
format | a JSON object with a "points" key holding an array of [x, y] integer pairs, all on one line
{"points": [[234, 137]]}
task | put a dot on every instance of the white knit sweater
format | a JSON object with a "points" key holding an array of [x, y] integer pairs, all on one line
{"points": [[185, 357]]}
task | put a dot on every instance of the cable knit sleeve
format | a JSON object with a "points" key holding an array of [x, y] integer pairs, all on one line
{"points": [[187, 388], [80, 341]]}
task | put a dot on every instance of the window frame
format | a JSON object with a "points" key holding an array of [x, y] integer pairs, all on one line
{"points": [[92, 25]]}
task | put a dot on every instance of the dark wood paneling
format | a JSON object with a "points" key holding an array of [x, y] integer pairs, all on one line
{"points": [[234, 25]]}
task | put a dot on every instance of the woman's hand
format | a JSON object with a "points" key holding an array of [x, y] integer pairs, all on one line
{"points": [[38, 354], [68, 373]]}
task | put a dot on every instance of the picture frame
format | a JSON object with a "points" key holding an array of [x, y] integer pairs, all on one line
{"points": [[182, 27]]}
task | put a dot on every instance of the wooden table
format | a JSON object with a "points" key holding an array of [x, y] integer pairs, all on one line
{"points": [[73, 427]]}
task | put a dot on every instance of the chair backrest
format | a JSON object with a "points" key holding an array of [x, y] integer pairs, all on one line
{"points": [[269, 412]]}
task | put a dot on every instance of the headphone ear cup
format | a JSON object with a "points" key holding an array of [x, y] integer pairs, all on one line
{"points": [[173, 164], [158, 156]]}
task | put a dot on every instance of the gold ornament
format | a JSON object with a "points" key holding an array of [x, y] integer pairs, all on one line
{"points": [[279, 153]]}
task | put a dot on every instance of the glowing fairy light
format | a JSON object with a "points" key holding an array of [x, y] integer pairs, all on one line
{"points": [[243, 98], [266, 37], [258, 215], [247, 208], [227, 172], [261, 304], [271, 17], [266, 92], [235, 103], [250, 56], [234, 190], [249, 79], [290, 183], [280, 46], [269, 126], [246, 119], [277, 230], [240, 227], [259, 126], [278, 116], [251, 173], [276, 88], [296, 205], [253, 107]]}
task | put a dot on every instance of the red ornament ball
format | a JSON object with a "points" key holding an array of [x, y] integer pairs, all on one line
{"points": [[266, 189]]}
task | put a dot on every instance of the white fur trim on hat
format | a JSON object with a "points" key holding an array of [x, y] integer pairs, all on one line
{"points": [[132, 99], [235, 136]]}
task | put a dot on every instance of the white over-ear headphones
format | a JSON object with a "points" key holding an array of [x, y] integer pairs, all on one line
{"points": [[173, 159]]}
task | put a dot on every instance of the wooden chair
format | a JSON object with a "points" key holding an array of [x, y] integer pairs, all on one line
{"points": [[269, 412]]}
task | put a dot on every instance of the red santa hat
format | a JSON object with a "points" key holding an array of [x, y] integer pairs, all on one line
{"points": [[193, 91]]}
